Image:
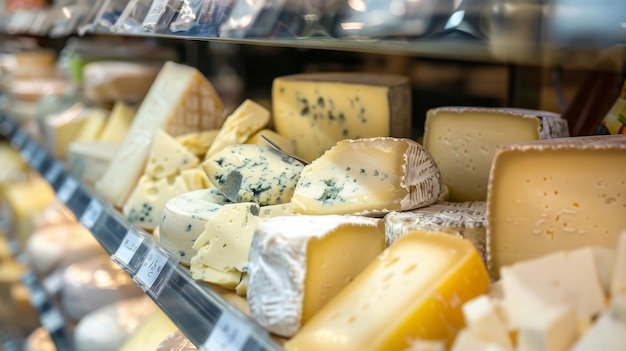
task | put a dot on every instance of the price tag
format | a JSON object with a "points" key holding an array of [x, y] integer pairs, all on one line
{"points": [[19, 139], [67, 190], [151, 268], [54, 172], [6, 127], [38, 298], [91, 214], [125, 253], [52, 320], [228, 334], [38, 159]]}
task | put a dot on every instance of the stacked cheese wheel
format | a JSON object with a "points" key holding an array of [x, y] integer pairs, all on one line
{"points": [[354, 250]]}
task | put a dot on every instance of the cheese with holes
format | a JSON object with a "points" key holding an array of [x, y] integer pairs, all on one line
{"points": [[168, 157], [283, 143], [299, 263], [180, 101], [198, 142], [145, 204], [225, 242], [568, 278], [119, 122], [554, 195], [183, 220], [414, 289], [246, 120], [368, 176], [315, 111], [253, 173], [465, 219], [463, 141]]}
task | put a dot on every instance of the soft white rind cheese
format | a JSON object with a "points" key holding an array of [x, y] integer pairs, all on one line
{"points": [[465, 219], [368, 176], [252, 173], [279, 265], [184, 218]]}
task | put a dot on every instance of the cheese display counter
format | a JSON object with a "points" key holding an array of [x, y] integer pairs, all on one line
{"points": [[151, 202]]}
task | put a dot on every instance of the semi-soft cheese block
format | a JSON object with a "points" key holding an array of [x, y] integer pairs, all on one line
{"points": [[183, 220], [315, 111], [253, 173], [106, 81], [145, 204], [368, 176], [554, 195], [463, 141], [93, 126], [168, 157], [88, 160], [484, 319], [465, 219], [553, 329], [119, 122], [180, 101], [198, 142], [246, 120], [466, 341], [414, 289], [299, 263]]}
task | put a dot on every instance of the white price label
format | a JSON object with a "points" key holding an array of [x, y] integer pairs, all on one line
{"points": [[228, 334], [54, 172], [67, 190], [151, 268], [37, 297], [91, 214], [18, 139], [6, 127], [52, 320], [128, 247], [37, 160]]}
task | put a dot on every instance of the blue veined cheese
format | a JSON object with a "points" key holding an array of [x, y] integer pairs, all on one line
{"points": [[253, 173], [184, 218], [145, 204], [225, 242], [246, 120], [465, 219], [168, 157], [369, 177], [299, 263], [317, 110]]}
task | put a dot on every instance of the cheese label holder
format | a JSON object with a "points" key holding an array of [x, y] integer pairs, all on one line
{"points": [[18, 139], [6, 127], [92, 213], [131, 252], [67, 190], [53, 174], [155, 270], [228, 334]]}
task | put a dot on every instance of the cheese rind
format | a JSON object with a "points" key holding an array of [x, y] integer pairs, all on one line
{"points": [[180, 101], [183, 220], [465, 219], [463, 141], [414, 289], [252, 173], [293, 272], [368, 176], [168, 157], [541, 201], [315, 111]]}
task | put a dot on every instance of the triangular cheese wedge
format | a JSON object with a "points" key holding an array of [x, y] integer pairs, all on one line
{"points": [[168, 157], [117, 125]]}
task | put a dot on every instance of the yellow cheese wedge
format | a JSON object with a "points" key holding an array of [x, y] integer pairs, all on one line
{"points": [[168, 157], [93, 126], [118, 123], [414, 289], [198, 142], [150, 333]]}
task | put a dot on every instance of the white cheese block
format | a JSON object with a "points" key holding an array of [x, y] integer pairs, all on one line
{"points": [[109, 327], [463, 141], [176, 342], [58, 245], [252, 173], [568, 278], [145, 204], [246, 120], [168, 157], [225, 242], [119, 122], [606, 334], [465, 219], [94, 283], [88, 160], [485, 321], [180, 101], [184, 218], [106, 81], [298, 263], [39, 340], [60, 129], [466, 341], [317, 110], [540, 199], [368, 176], [554, 329], [618, 276]]}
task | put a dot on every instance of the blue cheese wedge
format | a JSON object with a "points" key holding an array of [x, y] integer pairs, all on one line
{"points": [[184, 218], [368, 177], [253, 173]]}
